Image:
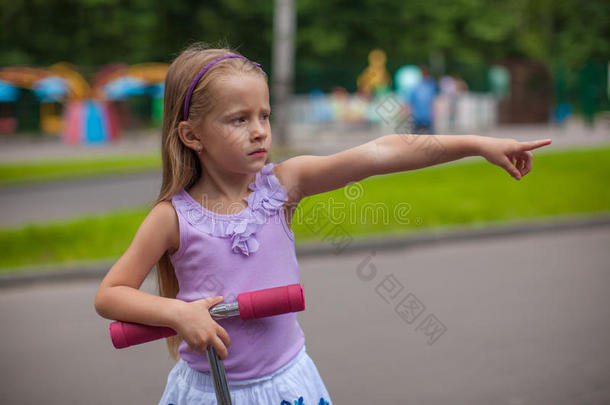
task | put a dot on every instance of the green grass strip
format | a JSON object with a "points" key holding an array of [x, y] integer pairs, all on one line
{"points": [[85, 238], [469, 193], [472, 193], [12, 173]]}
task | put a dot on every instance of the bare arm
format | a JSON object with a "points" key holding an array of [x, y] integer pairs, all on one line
{"points": [[119, 297], [309, 175]]}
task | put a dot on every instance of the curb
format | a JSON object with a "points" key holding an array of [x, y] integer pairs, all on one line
{"points": [[85, 272], [98, 270], [446, 235], [77, 181]]}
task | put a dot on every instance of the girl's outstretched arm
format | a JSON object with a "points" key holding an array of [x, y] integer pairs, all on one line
{"points": [[309, 175]]}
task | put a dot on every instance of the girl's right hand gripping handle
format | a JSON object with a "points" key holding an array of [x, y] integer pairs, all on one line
{"points": [[255, 304]]}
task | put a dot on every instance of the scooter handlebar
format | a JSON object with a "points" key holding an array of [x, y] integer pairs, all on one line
{"points": [[254, 304]]}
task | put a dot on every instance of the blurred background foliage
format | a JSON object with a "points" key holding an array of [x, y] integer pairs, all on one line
{"points": [[333, 38]]}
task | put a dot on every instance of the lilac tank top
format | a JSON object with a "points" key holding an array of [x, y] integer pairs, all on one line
{"points": [[230, 254]]}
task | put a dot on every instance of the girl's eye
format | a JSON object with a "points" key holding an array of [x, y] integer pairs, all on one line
{"points": [[265, 116], [239, 120]]}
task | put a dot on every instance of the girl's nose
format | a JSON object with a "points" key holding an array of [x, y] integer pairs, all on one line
{"points": [[258, 131]]}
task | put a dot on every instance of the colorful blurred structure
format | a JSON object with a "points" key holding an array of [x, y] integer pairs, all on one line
{"points": [[406, 78], [375, 78], [58, 101]]}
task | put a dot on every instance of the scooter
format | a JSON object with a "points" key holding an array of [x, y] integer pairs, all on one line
{"points": [[249, 305]]}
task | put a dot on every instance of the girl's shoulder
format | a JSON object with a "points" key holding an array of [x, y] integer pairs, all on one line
{"points": [[286, 175], [163, 217]]}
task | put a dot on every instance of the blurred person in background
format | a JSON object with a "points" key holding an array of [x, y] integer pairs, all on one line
{"points": [[421, 102]]}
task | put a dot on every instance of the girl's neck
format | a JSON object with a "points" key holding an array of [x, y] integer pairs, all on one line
{"points": [[223, 186]]}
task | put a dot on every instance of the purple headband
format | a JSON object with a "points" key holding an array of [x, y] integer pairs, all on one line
{"points": [[207, 67]]}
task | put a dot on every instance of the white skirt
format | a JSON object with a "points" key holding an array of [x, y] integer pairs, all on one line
{"points": [[296, 383]]}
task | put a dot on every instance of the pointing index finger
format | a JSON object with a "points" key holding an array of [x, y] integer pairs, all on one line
{"points": [[535, 144]]}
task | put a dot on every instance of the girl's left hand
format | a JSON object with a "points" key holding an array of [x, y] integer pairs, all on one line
{"points": [[513, 156]]}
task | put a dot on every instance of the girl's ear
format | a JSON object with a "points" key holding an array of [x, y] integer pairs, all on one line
{"points": [[189, 137]]}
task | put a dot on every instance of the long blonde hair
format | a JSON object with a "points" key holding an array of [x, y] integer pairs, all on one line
{"points": [[181, 166]]}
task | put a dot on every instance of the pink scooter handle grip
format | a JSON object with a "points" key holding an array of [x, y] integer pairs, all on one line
{"points": [[254, 304], [125, 334], [271, 301]]}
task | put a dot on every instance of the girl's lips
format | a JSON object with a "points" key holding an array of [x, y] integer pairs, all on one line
{"points": [[258, 153]]}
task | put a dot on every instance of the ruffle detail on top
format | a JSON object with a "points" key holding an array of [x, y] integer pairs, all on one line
{"points": [[265, 200]]}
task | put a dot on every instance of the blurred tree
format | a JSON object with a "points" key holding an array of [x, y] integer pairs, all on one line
{"points": [[333, 38], [94, 32]]}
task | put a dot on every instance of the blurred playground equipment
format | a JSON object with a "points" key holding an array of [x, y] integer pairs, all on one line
{"points": [[59, 101], [375, 78]]}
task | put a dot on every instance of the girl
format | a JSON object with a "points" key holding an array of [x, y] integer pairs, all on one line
{"points": [[221, 226]]}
